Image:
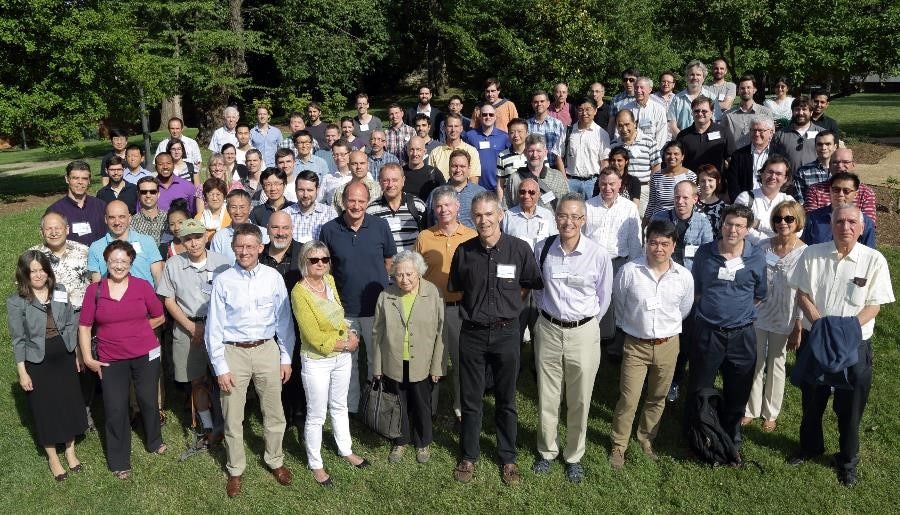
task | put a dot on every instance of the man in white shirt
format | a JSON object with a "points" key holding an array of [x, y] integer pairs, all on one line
{"points": [[191, 148], [649, 115], [225, 133], [250, 335], [586, 150], [577, 275], [653, 294]]}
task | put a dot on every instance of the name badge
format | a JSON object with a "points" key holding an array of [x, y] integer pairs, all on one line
{"points": [[209, 276], [726, 274], [653, 303], [60, 296], [264, 304], [721, 97], [506, 271], [548, 197], [560, 271], [394, 223], [137, 246], [363, 127], [575, 281], [772, 258], [81, 228], [811, 134], [734, 264], [483, 145], [154, 353], [304, 238], [714, 135], [690, 250]]}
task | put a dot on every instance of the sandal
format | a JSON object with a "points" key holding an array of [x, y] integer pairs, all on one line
{"points": [[769, 426], [122, 474], [161, 449], [163, 418]]}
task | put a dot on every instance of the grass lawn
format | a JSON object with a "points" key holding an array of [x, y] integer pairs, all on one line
{"points": [[868, 115], [672, 485]]}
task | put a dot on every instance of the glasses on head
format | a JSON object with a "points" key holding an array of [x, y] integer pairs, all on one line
{"points": [[149, 192], [488, 115], [527, 192], [316, 260], [565, 217], [841, 191], [786, 219]]}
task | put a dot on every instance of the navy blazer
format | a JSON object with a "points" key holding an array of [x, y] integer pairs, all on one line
{"points": [[28, 325]]}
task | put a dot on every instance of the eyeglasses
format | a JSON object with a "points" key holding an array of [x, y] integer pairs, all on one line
{"points": [[701, 111], [527, 192], [149, 192], [786, 219], [842, 191], [488, 115], [118, 262], [316, 260], [845, 162], [563, 217], [773, 173], [759, 131]]}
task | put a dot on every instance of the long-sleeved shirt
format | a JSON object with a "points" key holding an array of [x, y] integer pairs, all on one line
{"points": [[577, 284]]}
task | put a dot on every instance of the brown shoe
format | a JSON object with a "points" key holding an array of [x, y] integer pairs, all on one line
{"points": [[233, 487], [617, 459], [283, 475], [510, 475], [746, 421], [464, 472], [769, 425]]}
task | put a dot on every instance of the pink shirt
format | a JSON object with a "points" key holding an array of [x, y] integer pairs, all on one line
{"points": [[561, 112], [123, 329]]}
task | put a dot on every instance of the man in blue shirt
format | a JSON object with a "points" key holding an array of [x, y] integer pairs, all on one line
{"points": [[843, 188], [148, 263], [490, 142], [729, 279]]}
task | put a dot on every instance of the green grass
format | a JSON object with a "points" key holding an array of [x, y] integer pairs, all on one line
{"points": [[868, 115], [86, 149], [673, 485]]}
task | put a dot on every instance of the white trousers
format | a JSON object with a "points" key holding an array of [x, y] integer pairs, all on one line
{"points": [[326, 382]]}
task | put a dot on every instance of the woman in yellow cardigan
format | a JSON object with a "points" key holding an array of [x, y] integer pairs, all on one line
{"points": [[325, 356], [409, 349]]}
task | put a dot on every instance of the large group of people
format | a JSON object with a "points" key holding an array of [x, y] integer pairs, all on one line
{"points": [[678, 234]]}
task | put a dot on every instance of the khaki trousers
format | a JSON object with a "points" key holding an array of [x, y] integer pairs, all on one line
{"points": [[657, 363], [565, 358], [262, 365]]}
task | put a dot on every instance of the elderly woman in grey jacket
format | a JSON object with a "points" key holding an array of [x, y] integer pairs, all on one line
{"points": [[42, 329], [409, 350]]}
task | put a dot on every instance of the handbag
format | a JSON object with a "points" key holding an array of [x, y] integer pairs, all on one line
{"points": [[382, 410]]}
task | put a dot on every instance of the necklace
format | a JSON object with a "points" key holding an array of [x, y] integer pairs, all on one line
{"points": [[313, 289]]}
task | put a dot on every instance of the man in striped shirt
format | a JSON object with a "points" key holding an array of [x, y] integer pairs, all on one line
{"points": [[404, 213], [643, 149]]}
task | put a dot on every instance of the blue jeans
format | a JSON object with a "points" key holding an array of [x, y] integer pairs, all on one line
{"points": [[583, 186]]}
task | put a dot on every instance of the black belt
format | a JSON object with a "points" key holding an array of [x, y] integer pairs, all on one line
{"points": [[727, 329], [589, 177], [248, 345], [564, 324], [453, 303], [652, 341], [197, 319], [500, 322]]}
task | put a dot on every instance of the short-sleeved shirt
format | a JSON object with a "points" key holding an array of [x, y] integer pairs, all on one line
{"points": [[843, 286], [260, 214], [127, 194], [728, 291], [736, 122], [465, 197], [554, 131], [87, 223], [491, 279], [267, 143], [405, 226], [123, 331], [146, 249], [178, 188], [191, 285], [644, 155], [438, 249], [818, 228], [153, 227], [375, 163], [799, 148], [357, 261], [530, 229], [712, 146], [489, 147], [817, 195], [422, 181], [585, 149], [440, 159], [70, 269]]}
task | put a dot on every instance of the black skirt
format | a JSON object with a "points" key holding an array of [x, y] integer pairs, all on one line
{"points": [[56, 403]]}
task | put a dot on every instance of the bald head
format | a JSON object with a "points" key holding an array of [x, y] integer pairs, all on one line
{"points": [[841, 161], [117, 218], [279, 218]]}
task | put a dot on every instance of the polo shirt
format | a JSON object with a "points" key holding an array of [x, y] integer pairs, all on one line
{"points": [[191, 285], [799, 148], [357, 261], [177, 188], [489, 147], [260, 214], [422, 181], [128, 194], [710, 147], [438, 249], [267, 143], [144, 246], [440, 159], [404, 226], [843, 286], [723, 302], [86, 223], [491, 279], [818, 228], [736, 122], [602, 116]]}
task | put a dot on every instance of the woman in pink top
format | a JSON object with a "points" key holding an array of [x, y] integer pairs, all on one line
{"points": [[123, 310]]}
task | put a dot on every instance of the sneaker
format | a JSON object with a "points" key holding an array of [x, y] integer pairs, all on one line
{"points": [[510, 475], [617, 459], [464, 471], [574, 472], [673, 393], [541, 466], [423, 455], [396, 455]]}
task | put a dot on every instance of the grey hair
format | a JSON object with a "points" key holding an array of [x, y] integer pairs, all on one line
{"points": [[442, 192], [765, 121], [410, 256], [536, 139], [841, 207], [486, 196], [647, 80], [231, 109], [696, 63], [571, 197], [305, 250]]}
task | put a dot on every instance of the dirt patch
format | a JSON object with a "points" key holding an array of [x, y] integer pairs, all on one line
{"points": [[887, 229], [870, 153]]}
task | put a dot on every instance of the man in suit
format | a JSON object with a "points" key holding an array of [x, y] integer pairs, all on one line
{"points": [[743, 171]]}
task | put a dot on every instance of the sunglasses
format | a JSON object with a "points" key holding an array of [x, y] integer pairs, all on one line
{"points": [[149, 192], [786, 219], [488, 115], [629, 79], [527, 192], [316, 260], [844, 191], [799, 144]]}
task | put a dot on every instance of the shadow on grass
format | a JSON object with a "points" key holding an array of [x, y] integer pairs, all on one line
{"points": [[15, 188]]}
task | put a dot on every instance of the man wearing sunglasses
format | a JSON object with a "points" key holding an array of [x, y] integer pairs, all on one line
{"points": [[705, 141], [149, 218], [791, 141], [819, 195], [629, 81], [844, 189], [490, 141]]}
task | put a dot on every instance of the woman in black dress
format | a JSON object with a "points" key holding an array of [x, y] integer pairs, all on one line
{"points": [[43, 332]]}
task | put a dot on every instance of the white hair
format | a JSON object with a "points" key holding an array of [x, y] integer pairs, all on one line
{"points": [[409, 256]]}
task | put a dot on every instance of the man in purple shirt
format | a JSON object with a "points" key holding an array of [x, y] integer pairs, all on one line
{"points": [[86, 214], [171, 186]]}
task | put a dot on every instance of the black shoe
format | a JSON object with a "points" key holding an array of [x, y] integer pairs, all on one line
{"points": [[799, 459], [363, 464], [847, 477]]}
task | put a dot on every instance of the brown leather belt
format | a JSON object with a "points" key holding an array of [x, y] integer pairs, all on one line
{"points": [[248, 345], [653, 341]]}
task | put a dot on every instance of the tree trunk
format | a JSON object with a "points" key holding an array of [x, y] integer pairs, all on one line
{"points": [[236, 22], [170, 108]]}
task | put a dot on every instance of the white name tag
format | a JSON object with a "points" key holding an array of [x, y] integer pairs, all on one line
{"points": [[734, 264], [506, 271], [548, 197], [690, 250], [81, 228], [60, 296], [721, 97], [575, 281], [363, 127], [772, 258], [560, 271], [726, 274], [394, 223], [137, 246], [653, 303], [714, 135], [811, 134], [304, 238], [264, 303], [154, 353], [209, 276], [483, 145]]}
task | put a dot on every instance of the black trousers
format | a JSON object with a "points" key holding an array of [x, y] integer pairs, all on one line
{"points": [[115, 382], [293, 396], [415, 402], [733, 352], [848, 406], [497, 348], [684, 351]]}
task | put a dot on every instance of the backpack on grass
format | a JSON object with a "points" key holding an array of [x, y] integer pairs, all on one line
{"points": [[706, 437]]}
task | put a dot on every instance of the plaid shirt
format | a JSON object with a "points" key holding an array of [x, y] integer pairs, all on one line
{"points": [[152, 227], [397, 138], [375, 163], [809, 174], [553, 130], [307, 225]]}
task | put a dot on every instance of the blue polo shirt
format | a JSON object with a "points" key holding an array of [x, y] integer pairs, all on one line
{"points": [[725, 303], [267, 143], [147, 254], [818, 228], [357, 261], [489, 147]]}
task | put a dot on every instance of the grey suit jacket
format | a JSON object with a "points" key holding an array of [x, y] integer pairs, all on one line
{"points": [[426, 344], [28, 326]]}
